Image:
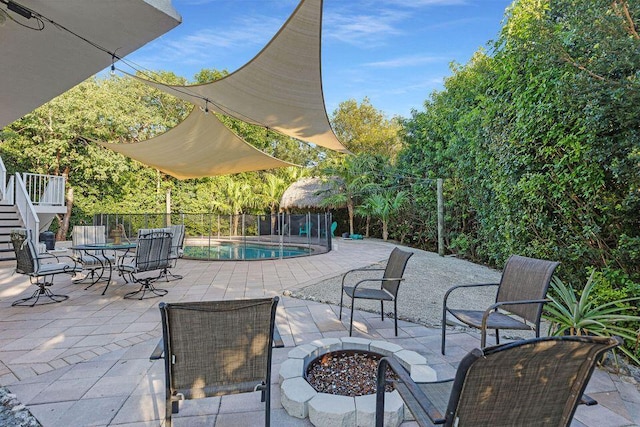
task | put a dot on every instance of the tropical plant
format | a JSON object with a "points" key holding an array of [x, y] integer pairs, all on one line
{"points": [[571, 314], [384, 205]]}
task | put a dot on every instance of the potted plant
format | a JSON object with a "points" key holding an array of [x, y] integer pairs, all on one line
{"points": [[571, 314]]}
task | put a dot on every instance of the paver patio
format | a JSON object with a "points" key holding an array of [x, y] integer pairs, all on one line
{"points": [[85, 361]]}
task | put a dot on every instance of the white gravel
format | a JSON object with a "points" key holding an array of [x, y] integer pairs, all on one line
{"points": [[427, 278]]}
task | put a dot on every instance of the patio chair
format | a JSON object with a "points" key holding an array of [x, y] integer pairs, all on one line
{"points": [[389, 285], [177, 244], [39, 267], [519, 299], [215, 348], [152, 254], [535, 382], [92, 261]]}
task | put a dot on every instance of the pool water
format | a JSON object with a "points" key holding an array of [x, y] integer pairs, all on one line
{"points": [[243, 251]]}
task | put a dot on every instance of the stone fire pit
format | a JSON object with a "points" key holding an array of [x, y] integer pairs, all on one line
{"points": [[301, 400]]}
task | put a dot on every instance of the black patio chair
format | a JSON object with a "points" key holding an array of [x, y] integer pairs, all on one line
{"points": [[152, 255], [39, 267], [215, 348], [535, 382], [389, 285], [519, 299]]}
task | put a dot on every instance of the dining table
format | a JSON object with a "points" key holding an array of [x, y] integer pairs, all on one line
{"points": [[106, 261]]}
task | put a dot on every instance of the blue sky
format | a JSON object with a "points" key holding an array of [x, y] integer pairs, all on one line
{"points": [[395, 52]]}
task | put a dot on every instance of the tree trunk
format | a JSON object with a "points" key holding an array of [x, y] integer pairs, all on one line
{"points": [[368, 226], [385, 231], [64, 224], [350, 210]]}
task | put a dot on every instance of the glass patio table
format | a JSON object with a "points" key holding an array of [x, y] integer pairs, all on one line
{"points": [[106, 262]]}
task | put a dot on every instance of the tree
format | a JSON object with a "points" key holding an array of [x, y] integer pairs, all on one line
{"points": [[384, 205], [363, 129]]}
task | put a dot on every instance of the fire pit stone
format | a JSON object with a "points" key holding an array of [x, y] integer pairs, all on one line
{"points": [[301, 400]]}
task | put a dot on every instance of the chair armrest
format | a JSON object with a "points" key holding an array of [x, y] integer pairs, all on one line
{"points": [[423, 410], [158, 351], [344, 276], [587, 400], [475, 285]]}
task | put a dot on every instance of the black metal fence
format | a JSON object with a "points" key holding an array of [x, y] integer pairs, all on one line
{"points": [[212, 236]]}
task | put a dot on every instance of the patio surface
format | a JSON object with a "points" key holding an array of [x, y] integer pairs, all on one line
{"points": [[84, 362]]}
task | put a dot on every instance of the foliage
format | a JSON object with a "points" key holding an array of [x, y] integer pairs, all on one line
{"points": [[363, 129], [538, 142], [581, 314]]}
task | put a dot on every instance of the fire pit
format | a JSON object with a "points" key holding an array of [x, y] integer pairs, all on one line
{"points": [[346, 373], [354, 406]]}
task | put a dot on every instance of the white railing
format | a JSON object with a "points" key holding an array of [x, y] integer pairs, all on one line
{"points": [[3, 181], [45, 190], [26, 209]]}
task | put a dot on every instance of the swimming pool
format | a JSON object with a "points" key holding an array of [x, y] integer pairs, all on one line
{"points": [[244, 251]]}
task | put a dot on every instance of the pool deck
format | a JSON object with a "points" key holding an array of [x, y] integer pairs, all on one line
{"points": [[85, 361]]}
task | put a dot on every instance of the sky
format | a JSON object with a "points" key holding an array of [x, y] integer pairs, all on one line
{"points": [[394, 52]]}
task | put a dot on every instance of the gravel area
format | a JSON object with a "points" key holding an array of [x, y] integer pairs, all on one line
{"points": [[427, 278], [13, 413]]}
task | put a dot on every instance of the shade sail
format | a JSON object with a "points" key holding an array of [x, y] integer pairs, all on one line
{"points": [[37, 66], [199, 146], [280, 88]]}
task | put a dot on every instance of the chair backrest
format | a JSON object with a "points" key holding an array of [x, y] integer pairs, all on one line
{"points": [[88, 235], [525, 279], [26, 254], [152, 251], [395, 270], [540, 380], [177, 240], [214, 348]]}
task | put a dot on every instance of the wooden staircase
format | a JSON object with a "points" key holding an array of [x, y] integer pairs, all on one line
{"points": [[9, 219]]}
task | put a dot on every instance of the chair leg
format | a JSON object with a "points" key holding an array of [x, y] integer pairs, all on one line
{"points": [[146, 285], [395, 314], [483, 338], [267, 405], [341, 297], [444, 329], [497, 336], [381, 310], [41, 291], [353, 303]]}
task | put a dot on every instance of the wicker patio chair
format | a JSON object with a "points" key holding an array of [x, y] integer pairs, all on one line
{"points": [[389, 285], [39, 267], [535, 382], [152, 254], [519, 299], [92, 261], [215, 348]]}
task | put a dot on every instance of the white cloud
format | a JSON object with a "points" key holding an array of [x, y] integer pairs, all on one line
{"points": [[407, 61], [363, 29]]}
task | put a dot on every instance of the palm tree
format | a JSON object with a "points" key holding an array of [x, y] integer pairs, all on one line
{"points": [[272, 189], [384, 205], [353, 173], [237, 196]]}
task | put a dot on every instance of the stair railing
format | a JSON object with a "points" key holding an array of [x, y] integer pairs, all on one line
{"points": [[26, 209], [3, 184], [45, 190]]}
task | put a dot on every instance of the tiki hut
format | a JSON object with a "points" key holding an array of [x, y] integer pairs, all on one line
{"points": [[308, 193]]}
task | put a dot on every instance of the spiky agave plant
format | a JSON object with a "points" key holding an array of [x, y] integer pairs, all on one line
{"points": [[569, 315]]}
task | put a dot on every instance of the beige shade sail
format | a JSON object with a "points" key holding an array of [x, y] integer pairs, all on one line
{"points": [[280, 88], [39, 60], [199, 146]]}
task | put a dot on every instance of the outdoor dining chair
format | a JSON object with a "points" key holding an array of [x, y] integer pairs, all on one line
{"points": [[152, 255], [534, 382], [216, 348], [177, 250], [519, 299], [389, 285], [39, 267]]}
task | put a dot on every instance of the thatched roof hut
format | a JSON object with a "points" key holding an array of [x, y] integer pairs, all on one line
{"points": [[307, 193]]}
